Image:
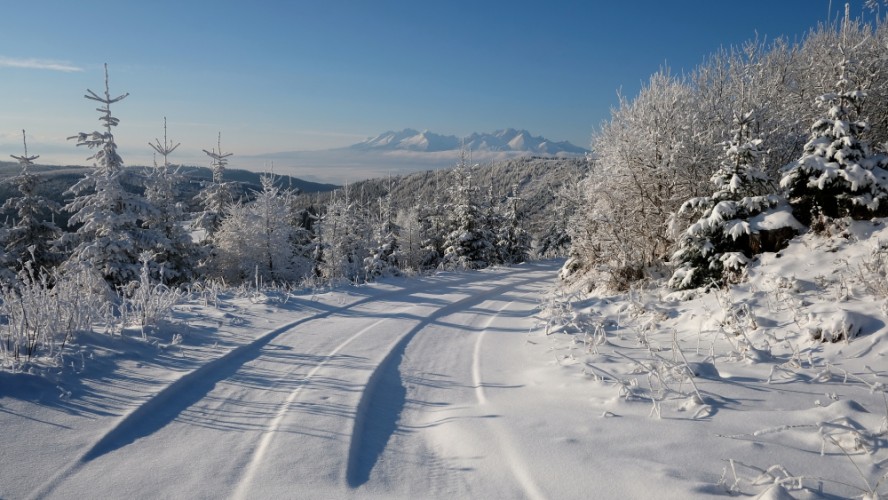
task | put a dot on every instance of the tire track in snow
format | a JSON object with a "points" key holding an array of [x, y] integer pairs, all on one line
{"points": [[513, 457], [161, 409], [242, 490], [384, 396], [480, 395]]}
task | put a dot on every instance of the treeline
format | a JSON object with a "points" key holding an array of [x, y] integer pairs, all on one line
{"points": [[136, 240], [700, 172]]}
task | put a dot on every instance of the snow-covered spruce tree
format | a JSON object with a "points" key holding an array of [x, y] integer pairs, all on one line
{"points": [[385, 256], [433, 227], [175, 252], [31, 237], [513, 241], [718, 245], [492, 221], [468, 243], [110, 232], [217, 194], [838, 174], [255, 240]]}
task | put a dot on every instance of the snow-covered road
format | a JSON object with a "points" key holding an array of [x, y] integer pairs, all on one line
{"points": [[407, 391]]}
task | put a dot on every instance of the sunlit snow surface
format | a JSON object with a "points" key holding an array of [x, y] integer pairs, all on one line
{"points": [[449, 387]]}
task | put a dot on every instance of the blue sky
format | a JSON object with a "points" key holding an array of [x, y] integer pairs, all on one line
{"points": [[282, 76]]}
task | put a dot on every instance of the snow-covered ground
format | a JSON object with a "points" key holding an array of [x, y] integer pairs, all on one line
{"points": [[459, 385]]}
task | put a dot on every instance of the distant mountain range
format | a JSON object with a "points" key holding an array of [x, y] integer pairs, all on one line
{"points": [[410, 151], [502, 140]]}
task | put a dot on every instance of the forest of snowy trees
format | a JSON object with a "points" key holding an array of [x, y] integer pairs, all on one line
{"points": [[700, 172]]}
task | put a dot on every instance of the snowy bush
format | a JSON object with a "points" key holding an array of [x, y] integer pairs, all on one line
{"points": [[144, 303]]}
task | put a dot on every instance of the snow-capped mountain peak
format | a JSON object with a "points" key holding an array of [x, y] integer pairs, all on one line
{"points": [[508, 139]]}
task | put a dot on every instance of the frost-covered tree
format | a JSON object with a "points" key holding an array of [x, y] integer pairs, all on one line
{"points": [[110, 233], [409, 221], [513, 241], [31, 237], [385, 255], [838, 174], [719, 243], [554, 236], [433, 226], [468, 241], [256, 239], [647, 160], [174, 252], [217, 195], [342, 232]]}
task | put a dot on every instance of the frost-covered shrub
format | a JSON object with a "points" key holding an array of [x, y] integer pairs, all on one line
{"points": [[144, 303], [44, 311]]}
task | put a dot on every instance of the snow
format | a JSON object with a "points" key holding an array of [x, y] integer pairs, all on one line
{"points": [[775, 218], [461, 385]]}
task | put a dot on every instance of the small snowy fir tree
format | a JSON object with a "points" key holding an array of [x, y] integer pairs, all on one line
{"points": [[385, 256], [513, 241], [838, 174], [110, 235], [175, 252], [719, 242], [468, 243], [217, 195], [30, 239]]}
